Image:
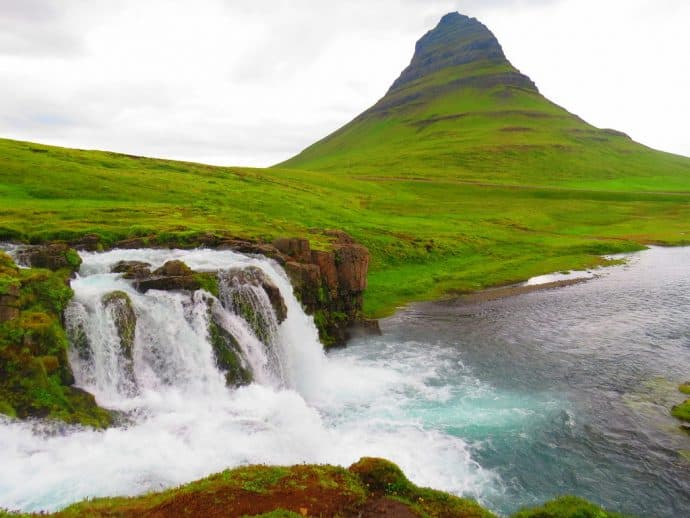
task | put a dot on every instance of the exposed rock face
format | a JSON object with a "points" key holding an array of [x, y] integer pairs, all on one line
{"points": [[456, 40], [295, 247], [173, 275], [53, 256], [330, 285]]}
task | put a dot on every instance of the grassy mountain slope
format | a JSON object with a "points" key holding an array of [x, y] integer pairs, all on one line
{"points": [[461, 111], [463, 176]]}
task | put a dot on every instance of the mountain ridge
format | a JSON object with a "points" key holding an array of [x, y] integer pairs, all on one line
{"points": [[461, 109]]}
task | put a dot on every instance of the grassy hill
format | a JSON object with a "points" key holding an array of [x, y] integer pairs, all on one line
{"points": [[461, 112], [463, 176]]}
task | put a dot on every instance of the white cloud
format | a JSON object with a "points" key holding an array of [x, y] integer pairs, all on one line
{"points": [[253, 82]]}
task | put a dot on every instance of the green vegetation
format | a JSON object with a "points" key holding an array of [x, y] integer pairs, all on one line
{"points": [[312, 490], [35, 376], [684, 388], [567, 507], [682, 411], [428, 237]]}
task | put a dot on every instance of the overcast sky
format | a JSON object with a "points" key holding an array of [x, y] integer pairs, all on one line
{"points": [[252, 82]]}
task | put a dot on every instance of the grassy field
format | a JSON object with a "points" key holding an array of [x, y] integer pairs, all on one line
{"points": [[428, 236], [462, 177]]}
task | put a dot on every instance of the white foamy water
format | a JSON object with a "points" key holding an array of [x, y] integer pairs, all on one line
{"points": [[181, 422]]}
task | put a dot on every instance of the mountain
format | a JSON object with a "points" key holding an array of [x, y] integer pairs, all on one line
{"points": [[462, 110], [462, 176]]}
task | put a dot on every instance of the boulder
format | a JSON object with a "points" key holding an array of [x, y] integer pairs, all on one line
{"points": [[132, 269], [173, 275], [174, 269]]}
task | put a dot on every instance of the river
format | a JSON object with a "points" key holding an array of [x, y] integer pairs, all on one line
{"points": [[510, 401]]}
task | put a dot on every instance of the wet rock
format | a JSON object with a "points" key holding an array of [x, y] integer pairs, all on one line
{"points": [[120, 307], [132, 269], [256, 277], [306, 283], [173, 275], [53, 256], [226, 350]]}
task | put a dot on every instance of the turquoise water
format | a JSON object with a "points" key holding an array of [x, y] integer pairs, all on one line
{"points": [[562, 391]]}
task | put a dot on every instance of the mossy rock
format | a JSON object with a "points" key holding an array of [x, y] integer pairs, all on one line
{"points": [[226, 351], [684, 387], [120, 306], [208, 281]]}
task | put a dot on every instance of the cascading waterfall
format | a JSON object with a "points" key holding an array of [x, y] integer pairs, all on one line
{"points": [[150, 356], [171, 340]]}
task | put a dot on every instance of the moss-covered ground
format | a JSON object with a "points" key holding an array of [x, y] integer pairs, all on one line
{"points": [[369, 488]]}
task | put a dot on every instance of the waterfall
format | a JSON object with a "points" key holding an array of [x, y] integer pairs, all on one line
{"points": [[186, 412], [171, 335]]}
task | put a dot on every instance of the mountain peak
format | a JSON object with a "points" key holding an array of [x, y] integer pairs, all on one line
{"points": [[456, 40]]}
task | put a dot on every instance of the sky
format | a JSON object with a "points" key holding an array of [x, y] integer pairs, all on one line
{"points": [[253, 82]]}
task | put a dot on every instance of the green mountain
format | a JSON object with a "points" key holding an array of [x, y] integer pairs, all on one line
{"points": [[462, 176], [460, 110]]}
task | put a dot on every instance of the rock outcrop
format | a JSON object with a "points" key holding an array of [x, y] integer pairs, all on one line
{"points": [[53, 256], [457, 40], [330, 284]]}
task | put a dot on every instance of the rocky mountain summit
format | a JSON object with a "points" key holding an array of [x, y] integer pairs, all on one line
{"points": [[456, 40]]}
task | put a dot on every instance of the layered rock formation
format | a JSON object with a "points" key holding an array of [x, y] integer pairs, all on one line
{"points": [[330, 284]]}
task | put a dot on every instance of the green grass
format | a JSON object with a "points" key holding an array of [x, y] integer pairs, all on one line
{"points": [[682, 411], [429, 235]]}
